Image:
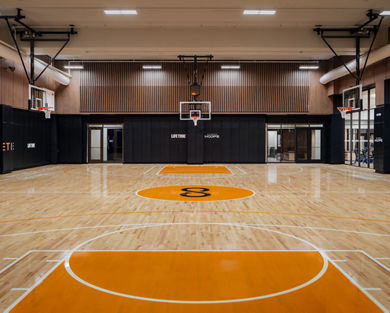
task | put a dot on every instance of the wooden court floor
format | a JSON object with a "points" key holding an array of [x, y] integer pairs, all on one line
{"points": [[227, 238]]}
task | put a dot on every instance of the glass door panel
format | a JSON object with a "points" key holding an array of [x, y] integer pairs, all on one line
{"points": [[274, 147], [316, 144], [95, 145], [288, 145]]}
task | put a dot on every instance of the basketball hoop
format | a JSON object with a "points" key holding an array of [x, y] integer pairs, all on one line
{"points": [[343, 111], [195, 119], [46, 110]]}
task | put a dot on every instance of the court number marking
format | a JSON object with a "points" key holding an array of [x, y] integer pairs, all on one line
{"points": [[195, 192]]}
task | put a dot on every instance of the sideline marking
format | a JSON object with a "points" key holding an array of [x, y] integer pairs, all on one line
{"points": [[196, 211], [264, 225], [309, 282]]}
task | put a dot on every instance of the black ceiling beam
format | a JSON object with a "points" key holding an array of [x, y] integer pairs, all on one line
{"points": [[32, 35], [356, 32]]}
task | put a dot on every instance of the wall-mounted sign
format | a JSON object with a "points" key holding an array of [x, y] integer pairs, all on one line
{"points": [[378, 139], [8, 146], [378, 114], [211, 136], [31, 145], [178, 136]]}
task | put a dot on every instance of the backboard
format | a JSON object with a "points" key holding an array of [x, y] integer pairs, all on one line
{"points": [[352, 97], [195, 111], [41, 99]]}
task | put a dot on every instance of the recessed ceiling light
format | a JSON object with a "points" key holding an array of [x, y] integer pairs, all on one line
{"points": [[385, 13], [309, 67], [120, 12], [151, 67], [230, 67], [259, 12], [74, 67]]}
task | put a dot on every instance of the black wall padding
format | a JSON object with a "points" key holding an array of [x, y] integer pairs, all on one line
{"points": [[234, 139], [336, 140], [195, 142], [147, 139], [23, 128], [71, 136], [31, 128], [382, 139], [6, 136]]}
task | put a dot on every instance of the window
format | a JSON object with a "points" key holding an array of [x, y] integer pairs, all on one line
{"points": [[359, 132]]}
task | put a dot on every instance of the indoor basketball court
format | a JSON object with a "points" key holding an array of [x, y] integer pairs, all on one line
{"points": [[167, 156]]}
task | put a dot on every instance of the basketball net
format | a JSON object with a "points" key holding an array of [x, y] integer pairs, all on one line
{"points": [[46, 110], [195, 119], [343, 111]]}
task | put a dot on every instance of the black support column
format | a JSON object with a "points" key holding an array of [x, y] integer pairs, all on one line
{"points": [[195, 143]]}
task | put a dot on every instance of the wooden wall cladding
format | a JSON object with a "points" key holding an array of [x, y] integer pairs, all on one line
{"points": [[255, 88]]}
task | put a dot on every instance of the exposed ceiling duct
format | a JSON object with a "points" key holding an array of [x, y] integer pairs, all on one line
{"points": [[10, 53], [375, 56]]}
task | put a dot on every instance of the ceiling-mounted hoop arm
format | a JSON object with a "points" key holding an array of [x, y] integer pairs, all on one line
{"points": [[32, 35], [17, 48], [194, 83], [195, 59], [358, 32], [53, 58], [376, 30], [338, 57]]}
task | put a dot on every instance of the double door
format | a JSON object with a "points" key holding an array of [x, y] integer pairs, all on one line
{"points": [[105, 143]]}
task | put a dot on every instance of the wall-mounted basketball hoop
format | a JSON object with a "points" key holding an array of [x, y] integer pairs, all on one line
{"points": [[343, 111], [195, 111]]}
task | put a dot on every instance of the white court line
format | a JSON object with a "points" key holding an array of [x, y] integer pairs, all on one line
{"points": [[240, 169], [26, 254], [366, 254], [31, 288], [377, 289], [376, 261], [53, 261], [10, 258], [339, 260], [263, 225], [14, 262], [16, 289], [360, 287], [149, 169], [382, 258], [188, 175]]}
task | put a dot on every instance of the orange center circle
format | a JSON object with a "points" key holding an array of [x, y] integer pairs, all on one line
{"points": [[195, 193]]}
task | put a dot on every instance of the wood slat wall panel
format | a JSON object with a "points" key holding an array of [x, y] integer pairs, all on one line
{"points": [[255, 88]]}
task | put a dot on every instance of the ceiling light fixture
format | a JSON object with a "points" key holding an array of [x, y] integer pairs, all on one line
{"points": [[120, 12], [385, 13], [259, 12], [152, 67], [74, 67], [309, 67], [230, 67]]}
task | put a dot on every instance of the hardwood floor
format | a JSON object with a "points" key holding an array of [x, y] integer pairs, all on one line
{"points": [[333, 222]]}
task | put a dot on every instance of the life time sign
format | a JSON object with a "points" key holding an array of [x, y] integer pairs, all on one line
{"points": [[8, 146]]}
